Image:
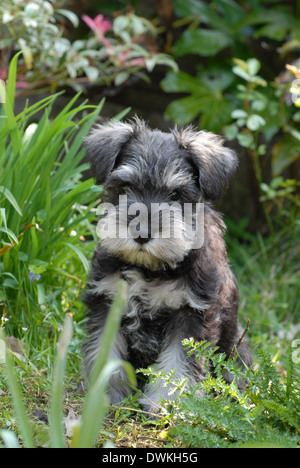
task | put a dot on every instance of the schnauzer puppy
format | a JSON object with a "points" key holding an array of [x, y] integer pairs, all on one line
{"points": [[161, 235]]}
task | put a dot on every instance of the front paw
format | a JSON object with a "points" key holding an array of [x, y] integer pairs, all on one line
{"points": [[118, 388]]}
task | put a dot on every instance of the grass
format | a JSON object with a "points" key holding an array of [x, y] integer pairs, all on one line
{"points": [[85, 429], [269, 277]]}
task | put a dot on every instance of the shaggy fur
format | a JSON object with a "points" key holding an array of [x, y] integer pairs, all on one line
{"points": [[174, 290]]}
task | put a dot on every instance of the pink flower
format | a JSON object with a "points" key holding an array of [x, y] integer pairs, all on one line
{"points": [[21, 84], [100, 26]]}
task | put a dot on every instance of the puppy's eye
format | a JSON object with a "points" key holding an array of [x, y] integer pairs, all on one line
{"points": [[176, 195]]}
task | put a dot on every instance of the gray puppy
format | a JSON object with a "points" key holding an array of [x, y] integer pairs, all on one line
{"points": [[161, 235]]}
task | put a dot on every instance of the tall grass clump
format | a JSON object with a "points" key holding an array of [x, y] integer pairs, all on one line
{"points": [[45, 210], [85, 429]]}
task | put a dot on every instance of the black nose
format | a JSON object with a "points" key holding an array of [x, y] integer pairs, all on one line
{"points": [[142, 240], [144, 235]]}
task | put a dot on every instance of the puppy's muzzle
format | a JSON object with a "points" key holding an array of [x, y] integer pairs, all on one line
{"points": [[140, 233]]}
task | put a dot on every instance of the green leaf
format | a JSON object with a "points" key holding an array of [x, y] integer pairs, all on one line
{"points": [[216, 79], [110, 331], [10, 234], [231, 131], [182, 82], [41, 295], [274, 31], [217, 114], [245, 140], [189, 7], [38, 266], [246, 70], [202, 42], [284, 153], [69, 15], [2, 93], [205, 102], [92, 73], [239, 114], [2, 342], [255, 122], [211, 14], [206, 99], [241, 73], [162, 59], [253, 66], [9, 196], [12, 78], [183, 111], [79, 254], [121, 78]]}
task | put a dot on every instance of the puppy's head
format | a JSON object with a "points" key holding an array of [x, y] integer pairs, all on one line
{"points": [[147, 175]]}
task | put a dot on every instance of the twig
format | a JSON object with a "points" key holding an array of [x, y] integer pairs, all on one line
{"points": [[155, 439], [137, 411], [234, 349]]}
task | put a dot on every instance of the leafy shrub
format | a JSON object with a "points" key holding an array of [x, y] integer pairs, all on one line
{"points": [[33, 26], [50, 59], [122, 54], [235, 88], [217, 33], [257, 119], [266, 415]]}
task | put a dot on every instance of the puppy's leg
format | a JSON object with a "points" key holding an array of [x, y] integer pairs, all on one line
{"points": [[172, 358], [117, 388]]}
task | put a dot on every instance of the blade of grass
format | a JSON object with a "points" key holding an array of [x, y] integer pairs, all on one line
{"points": [[79, 253], [95, 406], [12, 78], [95, 403], [110, 331], [11, 199], [10, 234], [9, 104], [25, 428], [56, 405], [37, 107]]}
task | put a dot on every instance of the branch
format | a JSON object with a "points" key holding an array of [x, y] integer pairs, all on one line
{"points": [[234, 349]]}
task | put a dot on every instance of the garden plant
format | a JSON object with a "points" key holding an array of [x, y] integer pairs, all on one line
{"points": [[112, 54]]}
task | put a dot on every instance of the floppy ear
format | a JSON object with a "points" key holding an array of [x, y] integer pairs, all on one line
{"points": [[215, 163], [104, 143]]}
